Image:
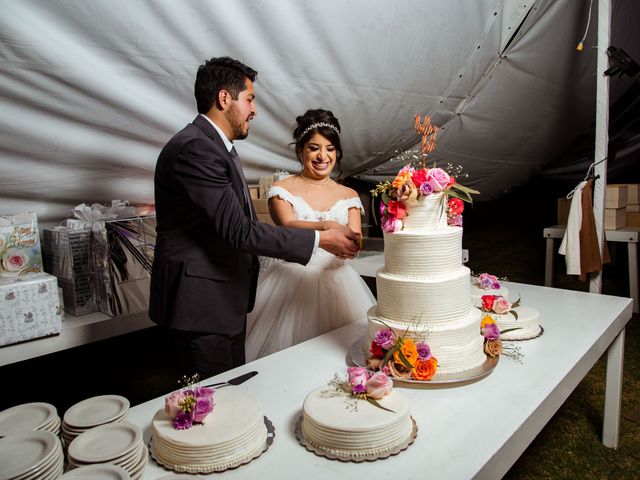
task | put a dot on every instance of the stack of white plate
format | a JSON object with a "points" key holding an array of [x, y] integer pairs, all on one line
{"points": [[29, 416], [97, 471], [31, 455], [93, 412], [117, 443]]}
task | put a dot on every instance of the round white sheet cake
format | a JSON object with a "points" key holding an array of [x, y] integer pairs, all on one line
{"points": [[527, 324], [350, 428], [233, 434]]}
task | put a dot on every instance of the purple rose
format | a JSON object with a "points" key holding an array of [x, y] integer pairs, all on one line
{"points": [[385, 338], [491, 331], [426, 189], [488, 281], [424, 351]]}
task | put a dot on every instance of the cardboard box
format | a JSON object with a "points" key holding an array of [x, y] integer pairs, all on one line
{"points": [[254, 191], [632, 192], [615, 196], [260, 205], [614, 218], [564, 204], [29, 308], [632, 219], [633, 207]]}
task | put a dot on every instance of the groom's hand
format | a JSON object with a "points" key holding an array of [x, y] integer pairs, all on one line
{"points": [[343, 243]]}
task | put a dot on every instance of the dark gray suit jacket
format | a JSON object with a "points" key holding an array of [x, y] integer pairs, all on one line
{"points": [[205, 268]]}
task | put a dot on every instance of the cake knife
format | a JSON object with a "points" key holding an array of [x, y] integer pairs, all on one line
{"points": [[235, 381]]}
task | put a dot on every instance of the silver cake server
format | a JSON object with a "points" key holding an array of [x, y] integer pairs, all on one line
{"points": [[235, 381]]}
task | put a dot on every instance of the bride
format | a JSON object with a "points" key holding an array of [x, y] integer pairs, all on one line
{"points": [[293, 302]]}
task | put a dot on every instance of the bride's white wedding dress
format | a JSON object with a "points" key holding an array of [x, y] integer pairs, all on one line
{"points": [[297, 302]]}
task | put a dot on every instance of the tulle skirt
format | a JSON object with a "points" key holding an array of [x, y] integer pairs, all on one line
{"points": [[295, 303]]}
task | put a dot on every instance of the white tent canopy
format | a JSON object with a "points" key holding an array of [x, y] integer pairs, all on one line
{"points": [[92, 90]]}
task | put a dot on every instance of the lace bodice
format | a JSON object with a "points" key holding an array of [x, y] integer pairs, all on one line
{"points": [[339, 212]]}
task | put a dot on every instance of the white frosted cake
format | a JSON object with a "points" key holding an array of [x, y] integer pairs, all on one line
{"points": [[424, 290], [526, 326], [333, 424], [233, 434]]}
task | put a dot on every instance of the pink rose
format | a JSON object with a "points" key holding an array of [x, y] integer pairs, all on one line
{"points": [[487, 281], [14, 260], [501, 305], [172, 403], [438, 179], [379, 385], [358, 376], [204, 404]]}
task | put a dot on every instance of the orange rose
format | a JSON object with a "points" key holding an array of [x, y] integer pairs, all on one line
{"points": [[409, 350], [425, 369], [401, 178]]}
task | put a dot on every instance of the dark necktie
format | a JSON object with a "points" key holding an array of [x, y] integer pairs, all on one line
{"points": [[245, 188]]}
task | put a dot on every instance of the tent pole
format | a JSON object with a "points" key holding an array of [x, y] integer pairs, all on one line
{"points": [[602, 131]]}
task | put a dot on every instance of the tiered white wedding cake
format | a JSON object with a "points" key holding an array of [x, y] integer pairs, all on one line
{"points": [[424, 290]]}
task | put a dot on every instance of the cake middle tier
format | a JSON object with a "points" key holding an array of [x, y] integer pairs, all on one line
{"points": [[434, 299], [423, 252]]}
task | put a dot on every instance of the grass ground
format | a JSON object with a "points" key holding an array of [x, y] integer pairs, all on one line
{"points": [[503, 237]]}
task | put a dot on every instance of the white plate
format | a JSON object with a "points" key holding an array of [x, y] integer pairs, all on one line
{"points": [[179, 476], [104, 443], [136, 472], [101, 471], [46, 470], [96, 411], [28, 416], [24, 452]]}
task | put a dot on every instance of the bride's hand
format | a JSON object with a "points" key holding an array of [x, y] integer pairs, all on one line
{"points": [[330, 224]]}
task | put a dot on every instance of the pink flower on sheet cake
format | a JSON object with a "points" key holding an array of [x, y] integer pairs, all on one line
{"points": [[438, 179], [204, 404], [488, 281], [182, 421], [501, 305], [385, 338], [15, 260], [379, 385], [358, 377]]}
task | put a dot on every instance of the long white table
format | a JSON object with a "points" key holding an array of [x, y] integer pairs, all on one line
{"points": [[475, 430]]}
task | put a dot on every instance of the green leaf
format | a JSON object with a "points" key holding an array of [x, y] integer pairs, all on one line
{"points": [[514, 313], [507, 330], [404, 360], [516, 303], [373, 401]]}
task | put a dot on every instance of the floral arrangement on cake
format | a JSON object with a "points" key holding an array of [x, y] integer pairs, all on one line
{"points": [[362, 384], [487, 281], [499, 304], [189, 405], [400, 357], [411, 183], [492, 344]]}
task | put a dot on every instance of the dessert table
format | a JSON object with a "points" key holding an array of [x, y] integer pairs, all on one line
{"points": [[470, 430]]}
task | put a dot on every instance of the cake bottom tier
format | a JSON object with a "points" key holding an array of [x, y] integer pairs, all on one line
{"points": [[457, 345]]}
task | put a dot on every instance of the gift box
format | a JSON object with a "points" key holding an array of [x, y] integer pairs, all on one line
{"points": [[67, 257], [123, 287], [20, 251], [29, 308]]}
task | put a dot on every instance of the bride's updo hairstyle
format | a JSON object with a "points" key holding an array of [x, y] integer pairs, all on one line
{"points": [[317, 121]]}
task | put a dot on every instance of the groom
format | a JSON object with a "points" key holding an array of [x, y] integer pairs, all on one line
{"points": [[205, 270]]}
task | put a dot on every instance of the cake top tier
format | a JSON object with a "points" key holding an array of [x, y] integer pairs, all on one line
{"points": [[428, 213]]}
